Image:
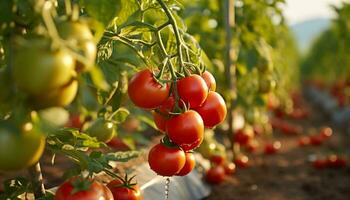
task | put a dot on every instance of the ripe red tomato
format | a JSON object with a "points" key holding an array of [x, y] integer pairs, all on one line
{"points": [[160, 121], [189, 165], [145, 92], [217, 159], [122, 191], [242, 137], [161, 116], [319, 164], [192, 90], [209, 80], [242, 161], [166, 161], [335, 161], [82, 189], [186, 130], [326, 132], [230, 168], [213, 111], [74, 122], [131, 124], [252, 146], [316, 140], [118, 144], [272, 148], [216, 174], [304, 141]]}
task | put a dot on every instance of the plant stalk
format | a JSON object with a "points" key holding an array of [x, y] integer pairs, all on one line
{"points": [[37, 180]]}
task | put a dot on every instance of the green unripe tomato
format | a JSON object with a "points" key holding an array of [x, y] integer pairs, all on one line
{"points": [[19, 150], [37, 69], [102, 129], [79, 36]]}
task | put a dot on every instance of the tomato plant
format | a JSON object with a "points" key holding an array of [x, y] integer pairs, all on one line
{"points": [[102, 129]]}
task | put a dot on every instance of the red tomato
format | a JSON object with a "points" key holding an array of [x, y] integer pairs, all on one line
{"points": [[272, 148], [242, 137], [213, 111], [145, 92], [192, 90], [319, 164], [74, 122], [216, 174], [121, 191], [252, 146], [186, 130], [161, 117], [230, 168], [209, 80], [326, 132], [304, 141], [335, 161], [217, 159], [242, 161], [189, 165], [118, 144], [76, 189], [316, 140], [166, 161], [160, 121]]}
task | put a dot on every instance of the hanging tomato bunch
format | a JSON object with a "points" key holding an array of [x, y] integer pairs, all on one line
{"points": [[181, 110]]}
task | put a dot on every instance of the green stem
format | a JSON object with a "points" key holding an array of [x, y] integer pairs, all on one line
{"points": [[173, 23]]}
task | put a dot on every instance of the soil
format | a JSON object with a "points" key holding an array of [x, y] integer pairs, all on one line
{"points": [[289, 175]]}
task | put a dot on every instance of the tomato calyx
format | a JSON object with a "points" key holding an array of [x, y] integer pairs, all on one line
{"points": [[126, 182], [168, 143], [80, 184]]}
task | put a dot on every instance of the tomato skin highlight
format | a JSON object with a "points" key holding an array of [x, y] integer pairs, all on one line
{"points": [[186, 130], [94, 192], [120, 192], [145, 92], [209, 80], [189, 165], [213, 111], [20, 150], [166, 161], [192, 90], [216, 175], [230, 168]]}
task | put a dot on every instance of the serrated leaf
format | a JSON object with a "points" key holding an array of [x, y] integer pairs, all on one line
{"points": [[123, 156], [128, 8]]}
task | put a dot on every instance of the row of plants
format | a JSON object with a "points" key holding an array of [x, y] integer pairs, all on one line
{"points": [[87, 79]]}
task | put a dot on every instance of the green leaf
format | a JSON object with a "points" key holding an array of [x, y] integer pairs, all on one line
{"points": [[98, 79], [120, 115], [123, 156], [102, 10], [128, 8]]}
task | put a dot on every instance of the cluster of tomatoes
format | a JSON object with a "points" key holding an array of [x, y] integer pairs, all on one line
{"points": [[332, 161], [317, 139], [219, 169], [84, 188], [181, 110]]}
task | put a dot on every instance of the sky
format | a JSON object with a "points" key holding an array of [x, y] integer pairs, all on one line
{"points": [[301, 10]]}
